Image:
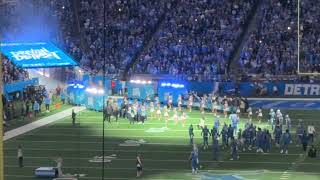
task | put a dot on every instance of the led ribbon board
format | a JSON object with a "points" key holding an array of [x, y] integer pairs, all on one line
{"points": [[36, 55]]}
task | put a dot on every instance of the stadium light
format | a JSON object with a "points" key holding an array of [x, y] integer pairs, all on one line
{"points": [[95, 91], [174, 85], [138, 81]]}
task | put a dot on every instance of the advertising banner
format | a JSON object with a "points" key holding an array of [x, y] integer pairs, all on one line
{"points": [[36, 55]]}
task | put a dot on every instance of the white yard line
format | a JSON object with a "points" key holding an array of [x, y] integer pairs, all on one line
{"points": [[142, 151], [39, 123]]}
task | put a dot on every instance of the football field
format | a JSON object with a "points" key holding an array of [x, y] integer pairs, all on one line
{"points": [[164, 151]]}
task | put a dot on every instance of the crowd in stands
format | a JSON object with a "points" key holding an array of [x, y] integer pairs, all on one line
{"points": [[127, 25], [193, 41], [197, 39], [271, 48], [11, 73]]}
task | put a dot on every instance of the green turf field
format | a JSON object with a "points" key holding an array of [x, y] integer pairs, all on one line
{"points": [[165, 152]]}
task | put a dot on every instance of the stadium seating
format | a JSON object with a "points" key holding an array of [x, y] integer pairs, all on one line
{"points": [[272, 47], [196, 40]]}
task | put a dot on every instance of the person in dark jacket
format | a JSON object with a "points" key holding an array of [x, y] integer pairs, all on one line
{"points": [[304, 141]]}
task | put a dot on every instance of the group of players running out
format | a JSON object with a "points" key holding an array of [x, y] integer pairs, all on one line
{"points": [[249, 138]]}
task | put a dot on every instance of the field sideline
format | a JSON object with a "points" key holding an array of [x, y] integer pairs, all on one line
{"points": [[165, 152]]}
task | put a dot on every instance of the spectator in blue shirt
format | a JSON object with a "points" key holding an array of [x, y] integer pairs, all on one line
{"points": [[47, 102], [36, 108], [63, 98]]}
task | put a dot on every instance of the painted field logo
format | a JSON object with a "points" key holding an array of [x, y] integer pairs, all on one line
{"points": [[99, 159], [133, 143], [157, 130]]}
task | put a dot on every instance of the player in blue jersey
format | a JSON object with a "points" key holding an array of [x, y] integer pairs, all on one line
{"points": [[191, 134], [215, 146], [277, 135], [286, 139], [299, 133], [224, 134], [205, 134], [234, 123], [230, 133], [259, 140], [194, 158], [216, 123], [268, 141], [234, 149]]}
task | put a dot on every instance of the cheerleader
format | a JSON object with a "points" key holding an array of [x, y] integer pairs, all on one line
{"points": [[259, 117], [249, 111], [183, 118], [214, 107], [158, 112], [135, 110], [151, 109], [201, 123], [225, 109], [166, 115], [175, 116], [169, 102], [179, 102], [190, 102], [202, 104]]}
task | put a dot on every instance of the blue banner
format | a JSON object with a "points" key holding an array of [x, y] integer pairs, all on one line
{"points": [[251, 89], [36, 55], [18, 87]]}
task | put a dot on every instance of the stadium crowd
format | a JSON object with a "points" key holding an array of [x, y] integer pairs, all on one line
{"points": [[193, 42], [197, 39], [271, 48], [127, 25], [11, 73]]}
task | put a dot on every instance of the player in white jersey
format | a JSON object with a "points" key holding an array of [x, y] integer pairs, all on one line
{"points": [[238, 111], [288, 122], [279, 117], [259, 115]]}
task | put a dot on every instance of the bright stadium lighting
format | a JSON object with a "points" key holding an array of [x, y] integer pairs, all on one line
{"points": [[163, 84], [131, 81], [138, 81], [94, 91], [149, 82], [143, 82]]}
